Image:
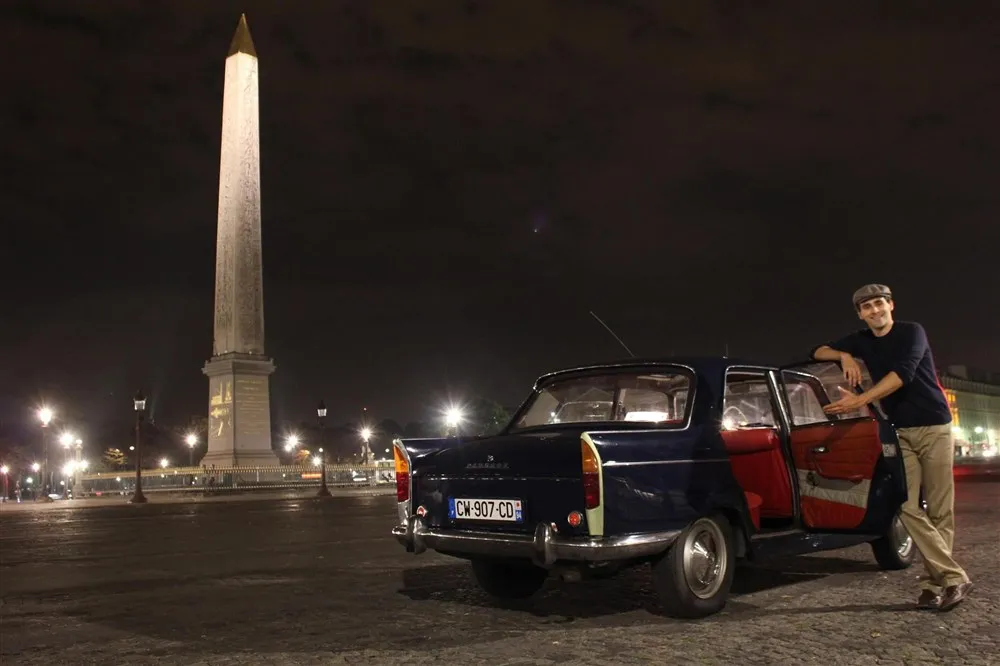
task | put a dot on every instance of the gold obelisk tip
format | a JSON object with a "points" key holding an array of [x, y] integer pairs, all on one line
{"points": [[242, 42]]}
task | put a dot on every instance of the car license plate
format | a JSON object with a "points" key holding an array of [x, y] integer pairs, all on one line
{"points": [[502, 510]]}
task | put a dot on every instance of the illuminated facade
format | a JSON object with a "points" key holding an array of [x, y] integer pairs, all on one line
{"points": [[974, 399]]}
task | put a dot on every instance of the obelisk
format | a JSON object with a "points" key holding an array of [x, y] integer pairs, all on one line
{"points": [[239, 410]]}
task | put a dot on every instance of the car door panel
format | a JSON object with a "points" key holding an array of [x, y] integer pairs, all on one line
{"points": [[835, 464], [849, 471]]}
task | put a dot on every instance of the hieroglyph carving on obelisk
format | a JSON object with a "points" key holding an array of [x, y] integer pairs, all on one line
{"points": [[239, 395]]}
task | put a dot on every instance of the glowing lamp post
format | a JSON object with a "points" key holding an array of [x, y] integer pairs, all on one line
{"points": [[66, 439], [366, 437], [45, 417], [139, 402], [321, 414], [4, 470], [192, 441], [69, 440], [453, 419]]}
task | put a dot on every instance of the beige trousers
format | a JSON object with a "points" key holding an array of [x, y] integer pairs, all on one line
{"points": [[929, 455]]}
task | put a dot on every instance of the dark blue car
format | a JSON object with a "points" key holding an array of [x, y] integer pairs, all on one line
{"points": [[688, 465]]}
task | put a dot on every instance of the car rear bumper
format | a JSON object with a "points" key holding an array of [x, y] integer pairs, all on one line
{"points": [[545, 547]]}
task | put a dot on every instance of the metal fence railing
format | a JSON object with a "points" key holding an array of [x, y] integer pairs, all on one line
{"points": [[376, 476]]}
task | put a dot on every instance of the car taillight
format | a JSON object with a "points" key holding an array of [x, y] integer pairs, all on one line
{"points": [[591, 476], [402, 473]]}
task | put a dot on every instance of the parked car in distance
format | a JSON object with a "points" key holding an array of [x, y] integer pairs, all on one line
{"points": [[686, 465]]}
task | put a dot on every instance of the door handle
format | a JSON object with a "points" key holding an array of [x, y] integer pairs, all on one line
{"points": [[818, 467]]}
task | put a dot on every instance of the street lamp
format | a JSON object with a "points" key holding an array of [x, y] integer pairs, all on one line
{"points": [[453, 417], [321, 414], [45, 415], [192, 441], [4, 470], [139, 402], [67, 439], [81, 464], [291, 442], [366, 451]]}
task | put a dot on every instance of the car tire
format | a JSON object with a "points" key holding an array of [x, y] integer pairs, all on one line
{"points": [[508, 580], [895, 550], [689, 583]]}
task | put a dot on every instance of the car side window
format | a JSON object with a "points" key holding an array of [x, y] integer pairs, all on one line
{"points": [[804, 402], [747, 402], [812, 386]]}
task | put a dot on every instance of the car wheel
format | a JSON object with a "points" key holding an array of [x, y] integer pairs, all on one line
{"points": [[693, 577], [896, 549], [508, 580]]}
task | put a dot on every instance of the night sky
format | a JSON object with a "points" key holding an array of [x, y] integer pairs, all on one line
{"points": [[450, 187]]}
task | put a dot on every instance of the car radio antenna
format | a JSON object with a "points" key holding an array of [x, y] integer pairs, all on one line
{"points": [[612, 333]]}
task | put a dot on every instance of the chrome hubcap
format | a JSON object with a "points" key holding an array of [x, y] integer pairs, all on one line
{"points": [[705, 559], [902, 538]]}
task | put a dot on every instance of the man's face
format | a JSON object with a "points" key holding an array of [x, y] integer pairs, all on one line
{"points": [[876, 312]]}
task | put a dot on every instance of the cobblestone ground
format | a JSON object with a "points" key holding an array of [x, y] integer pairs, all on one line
{"points": [[304, 581]]}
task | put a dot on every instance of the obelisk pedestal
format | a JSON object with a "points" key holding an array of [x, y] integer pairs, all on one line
{"points": [[239, 411], [239, 416]]}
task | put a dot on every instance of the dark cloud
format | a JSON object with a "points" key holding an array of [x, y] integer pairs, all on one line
{"points": [[448, 189]]}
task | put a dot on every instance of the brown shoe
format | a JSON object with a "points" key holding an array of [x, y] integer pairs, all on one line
{"points": [[928, 600], [954, 595]]}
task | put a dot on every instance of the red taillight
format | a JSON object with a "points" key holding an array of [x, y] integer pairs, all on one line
{"points": [[591, 476], [402, 474]]}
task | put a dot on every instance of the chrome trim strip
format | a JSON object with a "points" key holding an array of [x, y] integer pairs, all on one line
{"points": [[544, 547], [631, 431], [638, 463], [785, 416]]}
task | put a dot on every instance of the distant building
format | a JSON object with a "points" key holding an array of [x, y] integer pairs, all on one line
{"points": [[974, 398]]}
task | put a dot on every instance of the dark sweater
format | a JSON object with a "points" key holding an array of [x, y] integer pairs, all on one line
{"points": [[920, 401]]}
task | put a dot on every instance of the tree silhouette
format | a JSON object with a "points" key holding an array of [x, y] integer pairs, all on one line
{"points": [[113, 459]]}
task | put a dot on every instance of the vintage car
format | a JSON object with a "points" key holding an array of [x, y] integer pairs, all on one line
{"points": [[688, 465]]}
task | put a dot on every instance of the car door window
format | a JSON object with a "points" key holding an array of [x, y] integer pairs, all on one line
{"points": [[804, 402], [810, 387], [747, 402]]}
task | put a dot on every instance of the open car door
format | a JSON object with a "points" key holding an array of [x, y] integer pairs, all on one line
{"points": [[850, 472]]}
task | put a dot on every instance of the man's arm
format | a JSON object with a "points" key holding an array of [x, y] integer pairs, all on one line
{"points": [[842, 351], [851, 402], [914, 347], [828, 353], [834, 351], [886, 386]]}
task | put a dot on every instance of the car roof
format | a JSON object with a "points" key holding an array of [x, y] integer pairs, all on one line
{"points": [[708, 365]]}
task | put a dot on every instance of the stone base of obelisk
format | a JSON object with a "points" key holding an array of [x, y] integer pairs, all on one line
{"points": [[239, 412]]}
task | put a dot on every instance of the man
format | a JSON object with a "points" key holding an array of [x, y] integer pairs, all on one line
{"points": [[902, 368]]}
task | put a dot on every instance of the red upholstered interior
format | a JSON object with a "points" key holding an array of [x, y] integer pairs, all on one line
{"points": [[759, 467]]}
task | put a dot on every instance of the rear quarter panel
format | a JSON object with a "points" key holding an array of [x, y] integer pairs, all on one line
{"points": [[658, 480]]}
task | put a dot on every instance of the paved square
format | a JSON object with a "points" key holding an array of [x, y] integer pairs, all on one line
{"points": [[303, 581]]}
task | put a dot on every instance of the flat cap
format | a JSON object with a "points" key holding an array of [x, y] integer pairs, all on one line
{"points": [[870, 291]]}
